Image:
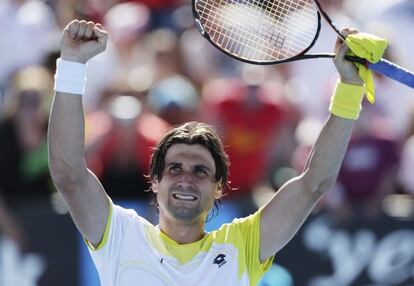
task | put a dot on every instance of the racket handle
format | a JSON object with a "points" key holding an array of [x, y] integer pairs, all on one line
{"points": [[393, 71], [388, 69]]}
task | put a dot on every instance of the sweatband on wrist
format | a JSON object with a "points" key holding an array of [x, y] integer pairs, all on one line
{"points": [[346, 100], [70, 77]]}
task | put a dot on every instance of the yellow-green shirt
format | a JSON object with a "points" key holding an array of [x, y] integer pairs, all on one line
{"points": [[135, 252]]}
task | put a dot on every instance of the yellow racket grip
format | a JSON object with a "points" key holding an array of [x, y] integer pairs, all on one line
{"points": [[346, 100]]}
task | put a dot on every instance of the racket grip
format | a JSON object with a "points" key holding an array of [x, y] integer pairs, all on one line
{"points": [[393, 71], [388, 69]]}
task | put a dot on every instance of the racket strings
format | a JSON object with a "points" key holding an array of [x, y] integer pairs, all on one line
{"points": [[241, 11], [236, 38], [226, 37], [280, 8], [259, 30], [285, 10]]}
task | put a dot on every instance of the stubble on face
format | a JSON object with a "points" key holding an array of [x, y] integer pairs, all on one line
{"points": [[187, 157], [184, 211]]}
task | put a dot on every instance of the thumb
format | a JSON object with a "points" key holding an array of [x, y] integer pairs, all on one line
{"points": [[68, 33], [342, 50], [71, 29], [339, 59], [100, 32], [101, 35]]}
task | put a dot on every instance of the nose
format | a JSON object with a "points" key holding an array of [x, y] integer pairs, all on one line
{"points": [[185, 180]]}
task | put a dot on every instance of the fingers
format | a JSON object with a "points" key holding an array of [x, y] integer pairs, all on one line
{"points": [[82, 30], [344, 32], [89, 29]]}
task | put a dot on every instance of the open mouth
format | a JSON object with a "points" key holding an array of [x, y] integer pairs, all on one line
{"points": [[183, 197]]}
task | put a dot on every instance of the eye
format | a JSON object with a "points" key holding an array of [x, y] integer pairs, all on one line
{"points": [[174, 169], [200, 172]]}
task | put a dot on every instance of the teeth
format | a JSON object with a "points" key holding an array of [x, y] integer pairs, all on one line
{"points": [[184, 197]]}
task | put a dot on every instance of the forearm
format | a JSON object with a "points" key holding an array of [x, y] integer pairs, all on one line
{"points": [[66, 137], [329, 150], [327, 155]]}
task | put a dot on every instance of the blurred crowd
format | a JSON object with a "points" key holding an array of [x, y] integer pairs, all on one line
{"points": [[158, 72]]}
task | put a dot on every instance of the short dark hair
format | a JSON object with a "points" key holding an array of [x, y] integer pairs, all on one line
{"points": [[192, 133]]}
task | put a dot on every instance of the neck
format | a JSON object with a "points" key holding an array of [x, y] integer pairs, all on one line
{"points": [[182, 232]]}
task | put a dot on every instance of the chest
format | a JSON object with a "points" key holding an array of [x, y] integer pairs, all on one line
{"points": [[148, 266]]}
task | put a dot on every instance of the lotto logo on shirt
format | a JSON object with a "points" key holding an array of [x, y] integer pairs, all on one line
{"points": [[219, 260]]}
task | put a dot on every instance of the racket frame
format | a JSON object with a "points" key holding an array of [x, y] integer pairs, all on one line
{"points": [[384, 67], [300, 56]]}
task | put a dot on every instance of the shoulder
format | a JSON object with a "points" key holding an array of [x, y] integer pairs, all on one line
{"points": [[122, 223], [238, 228], [121, 215]]}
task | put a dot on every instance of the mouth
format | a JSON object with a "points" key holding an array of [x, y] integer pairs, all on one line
{"points": [[184, 197]]}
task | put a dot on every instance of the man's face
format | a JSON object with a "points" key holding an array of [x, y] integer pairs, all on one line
{"points": [[188, 188]]}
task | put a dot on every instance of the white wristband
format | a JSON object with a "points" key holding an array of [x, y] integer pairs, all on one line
{"points": [[70, 77]]}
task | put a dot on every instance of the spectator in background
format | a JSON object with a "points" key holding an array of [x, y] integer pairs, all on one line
{"points": [[64, 10], [24, 173], [405, 172], [163, 44], [161, 11], [126, 23], [10, 226], [119, 142], [174, 99], [205, 68], [94, 9], [136, 57], [157, 4], [31, 30], [250, 119], [369, 170], [24, 166]]}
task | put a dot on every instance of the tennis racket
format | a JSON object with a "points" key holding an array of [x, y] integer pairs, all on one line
{"points": [[273, 32]]}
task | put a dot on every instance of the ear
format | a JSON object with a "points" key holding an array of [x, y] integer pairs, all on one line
{"points": [[219, 192], [154, 186]]}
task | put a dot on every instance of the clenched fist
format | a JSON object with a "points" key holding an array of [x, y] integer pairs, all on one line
{"points": [[82, 40]]}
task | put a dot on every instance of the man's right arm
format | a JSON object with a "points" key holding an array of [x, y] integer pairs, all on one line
{"points": [[82, 191]]}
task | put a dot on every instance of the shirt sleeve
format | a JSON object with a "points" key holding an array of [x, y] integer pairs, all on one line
{"points": [[107, 251], [248, 230]]}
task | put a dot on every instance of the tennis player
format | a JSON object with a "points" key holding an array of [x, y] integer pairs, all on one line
{"points": [[188, 172]]}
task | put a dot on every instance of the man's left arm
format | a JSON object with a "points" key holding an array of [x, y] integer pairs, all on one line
{"points": [[284, 214]]}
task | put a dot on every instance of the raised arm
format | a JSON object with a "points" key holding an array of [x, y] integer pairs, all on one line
{"points": [[83, 193], [283, 215]]}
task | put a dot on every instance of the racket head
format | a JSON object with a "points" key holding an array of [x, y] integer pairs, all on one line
{"points": [[259, 31]]}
